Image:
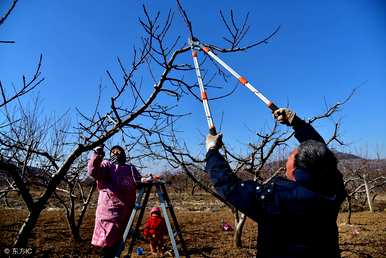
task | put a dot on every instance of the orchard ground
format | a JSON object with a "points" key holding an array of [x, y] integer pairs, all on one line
{"points": [[200, 217]]}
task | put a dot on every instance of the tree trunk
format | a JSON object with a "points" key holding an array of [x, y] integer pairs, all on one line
{"points": [[194, 188], [76, 234], [70, 212], [368, 194], [27, 227], [71, 221], [73, 227], [240, 219], [349, 209], [83, 212]]}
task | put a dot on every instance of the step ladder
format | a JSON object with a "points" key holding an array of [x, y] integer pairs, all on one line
{"points": [[140, 206]]}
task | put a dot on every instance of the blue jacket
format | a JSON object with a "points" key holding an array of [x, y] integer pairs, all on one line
{"points": [[295, 219]]}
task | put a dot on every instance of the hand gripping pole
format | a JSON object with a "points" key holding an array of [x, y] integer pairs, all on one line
{"points": [[241, 79], [204, 96]]}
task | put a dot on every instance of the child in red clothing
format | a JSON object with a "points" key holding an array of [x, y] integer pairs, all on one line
{"points": [[155, 229]]}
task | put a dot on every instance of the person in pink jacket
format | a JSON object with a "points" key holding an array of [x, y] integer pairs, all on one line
{"points": [[116, 183]]}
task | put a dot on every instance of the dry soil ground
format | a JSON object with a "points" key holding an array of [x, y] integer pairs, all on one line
{"points": [[200, 217]]}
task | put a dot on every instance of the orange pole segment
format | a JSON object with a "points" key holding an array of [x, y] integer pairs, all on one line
{"points": [[206, 49], [243, 80], [194, 53], [272, 106], [204, 96]]}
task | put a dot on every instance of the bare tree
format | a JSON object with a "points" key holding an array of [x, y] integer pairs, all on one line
{"points": [[363, 182], [135, 114], [7, 97]]}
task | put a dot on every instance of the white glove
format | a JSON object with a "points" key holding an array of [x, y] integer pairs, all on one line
{"points": [[99, 151], [284, 116], [213, 141], [147, 179]]}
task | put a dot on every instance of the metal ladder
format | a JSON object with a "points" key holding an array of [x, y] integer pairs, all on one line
{"points": [[140, 205]]}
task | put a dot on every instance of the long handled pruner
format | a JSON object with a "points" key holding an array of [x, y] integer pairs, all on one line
{"points": [[195, 44], [204, 96]]}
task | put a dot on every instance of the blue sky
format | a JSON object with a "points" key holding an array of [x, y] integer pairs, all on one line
{"points": [[323, 50]]}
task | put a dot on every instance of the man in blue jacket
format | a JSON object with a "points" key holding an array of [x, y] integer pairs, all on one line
{"points": [[296, 215]]}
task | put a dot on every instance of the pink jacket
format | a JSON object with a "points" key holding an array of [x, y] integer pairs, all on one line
{"points": [[117, 188]]}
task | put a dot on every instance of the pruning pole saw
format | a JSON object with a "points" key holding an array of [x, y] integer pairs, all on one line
{"points": [[195, 46]]}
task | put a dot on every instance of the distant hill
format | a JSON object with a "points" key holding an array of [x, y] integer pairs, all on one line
{"points": [[345, 156]]}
